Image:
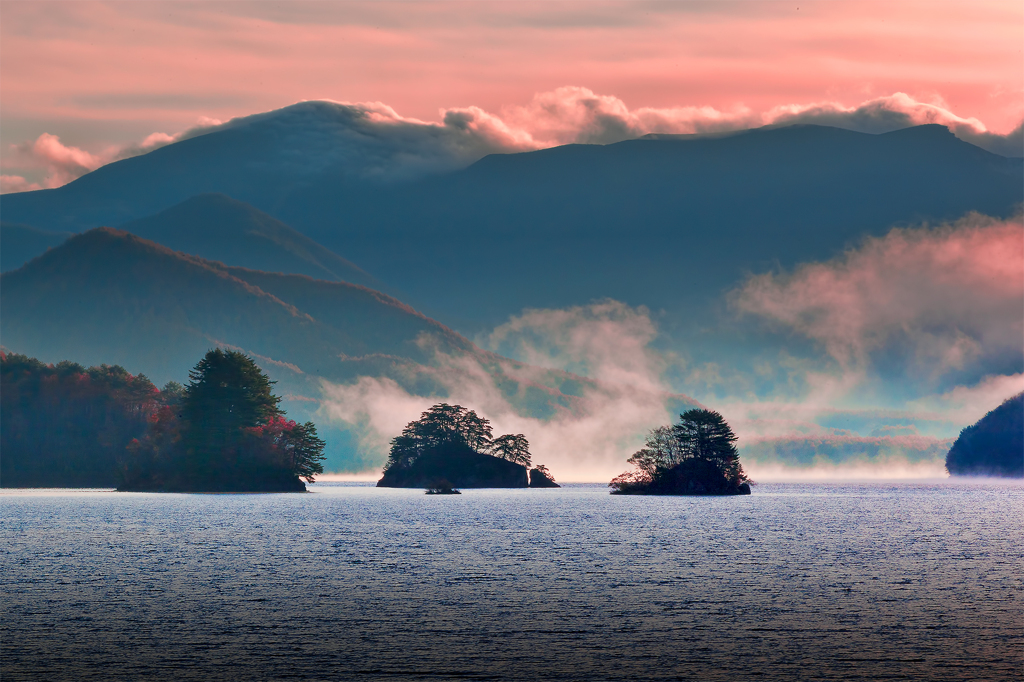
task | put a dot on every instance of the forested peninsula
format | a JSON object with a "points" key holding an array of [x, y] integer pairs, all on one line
{"points": [[994, 446], [67, 426]]}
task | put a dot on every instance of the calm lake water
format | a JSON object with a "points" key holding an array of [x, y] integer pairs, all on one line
{"points": [[350, 582]]}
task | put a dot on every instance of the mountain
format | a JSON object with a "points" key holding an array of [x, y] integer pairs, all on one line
{"points": [[670, 222], [261, 160], [107, 296], [217, 227], [21, 243], [993, 446]]}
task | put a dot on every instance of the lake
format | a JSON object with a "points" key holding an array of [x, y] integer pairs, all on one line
{"points": [[350, 582]]}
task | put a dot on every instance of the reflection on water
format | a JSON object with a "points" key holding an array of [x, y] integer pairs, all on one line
{"points": [[795, 582]]}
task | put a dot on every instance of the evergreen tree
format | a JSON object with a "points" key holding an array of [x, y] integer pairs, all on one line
{"points": [[224, 431], [442, 426], [227, 392], [696, 456], [514, 447]]}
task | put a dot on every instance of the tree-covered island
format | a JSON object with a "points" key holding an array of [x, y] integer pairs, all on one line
{"points": [[451, 446], [226, 434], [696, 456]]}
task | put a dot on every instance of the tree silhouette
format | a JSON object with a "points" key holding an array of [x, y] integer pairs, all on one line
{"points": [[227, 392], [441, 426], [993, 446], [514, 447], [695, 456], [224, 431], [457, 444]]}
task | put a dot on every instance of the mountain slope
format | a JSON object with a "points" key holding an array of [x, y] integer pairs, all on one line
{"points": [[261, 160], [670, 224], [219, 228], [113, 294]]}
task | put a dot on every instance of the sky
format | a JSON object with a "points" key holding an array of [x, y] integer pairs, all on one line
{"points": [[83, 84], [82, 81]]}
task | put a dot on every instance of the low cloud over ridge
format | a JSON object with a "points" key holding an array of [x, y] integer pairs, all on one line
{"points": [[382, 143], [949, 296]]}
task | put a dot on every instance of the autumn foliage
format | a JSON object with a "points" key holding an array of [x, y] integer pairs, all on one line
{"points": [[226, 434], [65, 425]]}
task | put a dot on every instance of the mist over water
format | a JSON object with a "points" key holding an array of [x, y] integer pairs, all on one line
{"points": [[797, 581]]}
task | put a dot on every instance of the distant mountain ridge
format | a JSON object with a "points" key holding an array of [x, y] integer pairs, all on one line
{"points": [[217, 227], [666, 222]]}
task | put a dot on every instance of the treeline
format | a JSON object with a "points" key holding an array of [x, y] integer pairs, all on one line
{"points": [[65, 425]]}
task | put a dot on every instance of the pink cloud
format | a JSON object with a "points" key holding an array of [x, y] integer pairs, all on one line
{"points": [[167, 63], [63, 163], [16, 183], [951, 293]]}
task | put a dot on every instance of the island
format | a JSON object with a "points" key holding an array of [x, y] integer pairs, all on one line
{"points": [[993, 446], [697, 456], [453, 444], [225, 434]]}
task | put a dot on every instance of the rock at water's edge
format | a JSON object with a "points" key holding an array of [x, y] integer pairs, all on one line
{"points": [[539, 479]]}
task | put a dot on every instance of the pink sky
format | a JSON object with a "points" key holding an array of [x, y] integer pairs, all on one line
{"points": [[102, 74]]}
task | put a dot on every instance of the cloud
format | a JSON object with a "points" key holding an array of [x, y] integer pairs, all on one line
{"points": [[17, 183], [845, 458], [63, 163], [389, 146], [967, 404], [607, 340], [943, 296], [590, 437], [885, 114], [586, 439], [578, 115]]}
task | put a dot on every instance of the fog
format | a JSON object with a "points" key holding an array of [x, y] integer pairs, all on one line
{"points": [[942, 297]]}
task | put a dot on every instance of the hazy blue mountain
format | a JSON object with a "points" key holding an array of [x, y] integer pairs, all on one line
{"points": [[665, 221], [261, 160], [21, 243], [669, 223], [217, 227], [107, 296]]}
